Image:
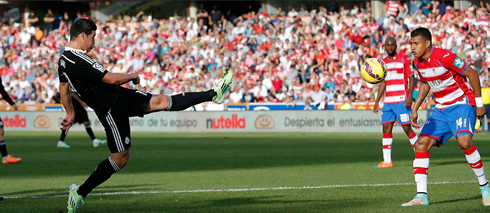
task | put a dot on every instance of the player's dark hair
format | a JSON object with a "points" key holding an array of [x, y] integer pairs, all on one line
{"points": [[424, 32], [86, 26]]}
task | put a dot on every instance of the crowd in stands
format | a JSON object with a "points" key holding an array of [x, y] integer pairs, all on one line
{"points": [[305, 55]]}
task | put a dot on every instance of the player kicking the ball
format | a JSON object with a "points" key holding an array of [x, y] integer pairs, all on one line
{"points": [[457, 91], [112, 103], [399, 84]]}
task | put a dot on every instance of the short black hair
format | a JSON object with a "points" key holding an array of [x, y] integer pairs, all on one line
{"points": [[86, 26], [424, 32]]}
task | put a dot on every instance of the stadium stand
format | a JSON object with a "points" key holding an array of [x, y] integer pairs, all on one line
{"points": [[308, 56]]}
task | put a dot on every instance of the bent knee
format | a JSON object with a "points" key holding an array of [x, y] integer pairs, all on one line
{"points": [[465, 142], [423, 144], [121, 158]]}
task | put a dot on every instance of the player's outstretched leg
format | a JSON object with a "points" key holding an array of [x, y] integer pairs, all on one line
{"points": [[61, 142], [183, 101]]}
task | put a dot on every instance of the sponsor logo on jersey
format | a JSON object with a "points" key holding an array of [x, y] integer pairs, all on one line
{"points": [[62, 63], [98, 67], [458, 63], [447, 54]]}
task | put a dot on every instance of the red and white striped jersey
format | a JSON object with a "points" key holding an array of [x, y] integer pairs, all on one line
{"points": [[443, 72], [398, 71], [392, 7]]}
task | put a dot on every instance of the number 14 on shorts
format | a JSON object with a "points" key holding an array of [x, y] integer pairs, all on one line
{"points": [[460, 123]]}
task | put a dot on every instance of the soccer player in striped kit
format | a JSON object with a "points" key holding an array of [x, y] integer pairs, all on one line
{"points": [[398, 84], [456, 88]]}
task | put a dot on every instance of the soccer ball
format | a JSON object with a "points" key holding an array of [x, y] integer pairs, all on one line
{"points": [[373, 70]]}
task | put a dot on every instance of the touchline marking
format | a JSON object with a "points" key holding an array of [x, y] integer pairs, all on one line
{"points": [[242, 190]]}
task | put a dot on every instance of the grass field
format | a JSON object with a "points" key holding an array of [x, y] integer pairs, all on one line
{"points": [[238, 172]]}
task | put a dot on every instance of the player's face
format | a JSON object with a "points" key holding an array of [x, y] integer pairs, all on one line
{"points": [[89, 41], [419, 46], [390, 48]]}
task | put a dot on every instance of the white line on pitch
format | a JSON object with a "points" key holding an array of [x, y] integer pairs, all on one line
{"points": [[241, 190]]}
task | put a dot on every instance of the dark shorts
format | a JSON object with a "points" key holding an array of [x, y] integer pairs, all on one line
{"points": [[80, 112], [116, 121]]}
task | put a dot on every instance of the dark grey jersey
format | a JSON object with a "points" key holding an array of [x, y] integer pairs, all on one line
{"points": [[85, 78]]}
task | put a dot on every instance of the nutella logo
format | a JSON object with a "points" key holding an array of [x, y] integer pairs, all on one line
{"points": [[15, 122], [226, 123]]}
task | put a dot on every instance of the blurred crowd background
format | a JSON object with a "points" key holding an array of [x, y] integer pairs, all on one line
{"points": [[297, 55]]}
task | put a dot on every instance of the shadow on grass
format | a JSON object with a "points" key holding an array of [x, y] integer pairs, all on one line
{"points": [[106, 189], [443, 163], [457, 200]]}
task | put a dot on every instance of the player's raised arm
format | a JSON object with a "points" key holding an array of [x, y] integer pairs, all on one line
{"points": [[120, 78], [473, 76]]}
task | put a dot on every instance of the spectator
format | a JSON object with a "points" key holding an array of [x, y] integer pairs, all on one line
{"points": [[392, 7], [247, 96], [33, 19], [202, 14], [285, 55], [293, 12], [48, 22], [216, 16], [38, 35], [280, 12], [66, 18], [303, 12], [236, 96]]}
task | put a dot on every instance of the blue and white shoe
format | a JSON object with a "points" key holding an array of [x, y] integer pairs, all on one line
{"points": [[418, 200]]}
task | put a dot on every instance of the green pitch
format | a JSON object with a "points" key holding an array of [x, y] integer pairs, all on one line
{"points": [[238, 172]]}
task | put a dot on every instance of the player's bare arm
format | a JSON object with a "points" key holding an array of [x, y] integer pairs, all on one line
{"points": [[66, 101], [472, 75], [411, 85], [120, 78], [381, 92], [423, 91]]}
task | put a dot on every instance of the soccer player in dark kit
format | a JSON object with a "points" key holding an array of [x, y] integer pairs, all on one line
{"points": [[112, 103]]}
